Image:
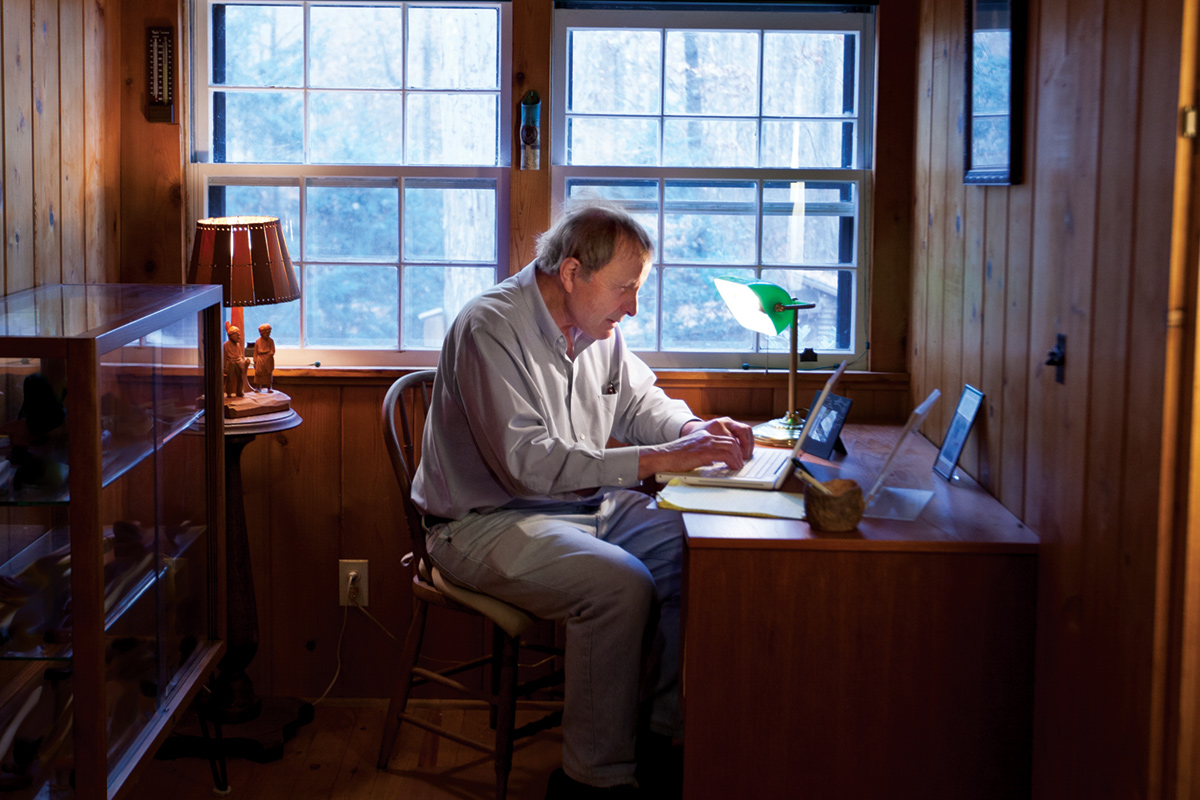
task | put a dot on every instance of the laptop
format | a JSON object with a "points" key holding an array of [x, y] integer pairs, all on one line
{"points": [[768, 468]]}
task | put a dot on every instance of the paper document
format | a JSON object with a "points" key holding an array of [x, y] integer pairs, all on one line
{"points": [[679, 496]]}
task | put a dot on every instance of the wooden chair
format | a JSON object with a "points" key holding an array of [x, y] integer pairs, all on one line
{"points": [[408, 401]]}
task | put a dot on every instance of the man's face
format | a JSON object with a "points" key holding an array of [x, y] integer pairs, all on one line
{"points": [[598, 303]]}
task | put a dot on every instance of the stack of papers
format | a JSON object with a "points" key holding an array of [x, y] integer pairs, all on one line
{"points": [[739, 502]]}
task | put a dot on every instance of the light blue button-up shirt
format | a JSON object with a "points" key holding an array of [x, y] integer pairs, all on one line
{"points": [[515, 422]]}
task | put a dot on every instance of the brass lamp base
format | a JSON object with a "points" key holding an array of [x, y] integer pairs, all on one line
{"points": [[782, 432]]}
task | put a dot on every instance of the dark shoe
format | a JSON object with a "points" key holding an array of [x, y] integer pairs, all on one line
{"points": [[563, 787], [659, 766]]}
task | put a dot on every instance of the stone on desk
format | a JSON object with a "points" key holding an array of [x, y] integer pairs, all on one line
{"points": [[256, 403]]}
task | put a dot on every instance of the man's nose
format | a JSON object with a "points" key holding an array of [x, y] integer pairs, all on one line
{"points": [[631, 306]]}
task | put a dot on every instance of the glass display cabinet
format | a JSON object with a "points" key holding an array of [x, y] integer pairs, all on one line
{"points": [[110, 522]]}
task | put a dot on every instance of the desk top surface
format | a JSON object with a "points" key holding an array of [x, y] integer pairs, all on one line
{"points": [[961, 516]]}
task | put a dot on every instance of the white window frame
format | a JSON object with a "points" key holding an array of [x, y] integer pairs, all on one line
{"points": [[788, 18], [201, 171]]}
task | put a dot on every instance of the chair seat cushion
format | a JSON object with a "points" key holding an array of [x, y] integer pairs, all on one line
{"points": [[511, 619]]}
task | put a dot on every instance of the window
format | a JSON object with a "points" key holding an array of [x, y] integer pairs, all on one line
{"points": [[378, 134], [741, 141]]}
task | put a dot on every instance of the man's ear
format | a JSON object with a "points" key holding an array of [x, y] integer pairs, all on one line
{"points": [[569, 273]]}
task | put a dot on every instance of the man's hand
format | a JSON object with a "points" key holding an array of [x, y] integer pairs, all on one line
{"points": [[701, 444]]}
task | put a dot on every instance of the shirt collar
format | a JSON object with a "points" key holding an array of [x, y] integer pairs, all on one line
{"points": [[527, 281]]}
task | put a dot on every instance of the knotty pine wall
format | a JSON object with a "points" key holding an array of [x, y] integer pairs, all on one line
{"points": [[60, 183], [1081, 247]]}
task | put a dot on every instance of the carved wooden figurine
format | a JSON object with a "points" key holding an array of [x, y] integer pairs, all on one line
{"points": [[236, 363], [264, 359]]}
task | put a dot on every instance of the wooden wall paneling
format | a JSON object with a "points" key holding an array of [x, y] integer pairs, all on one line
{"points": [[1064, 261], [892, 212], [529, 200], [1020, 359], [72, 140], [47, 104], [151, 158], [935, 298], [18, 144], [373, 527], [1142, 589], [953, 275], [991, 419], [974, 231], [1108, 400], [305, 523], [918, 346], [102, 140]]}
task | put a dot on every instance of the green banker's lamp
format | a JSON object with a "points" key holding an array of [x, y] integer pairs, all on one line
{"points": [[767, 309]]}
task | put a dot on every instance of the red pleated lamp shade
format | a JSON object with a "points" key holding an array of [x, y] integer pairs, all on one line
{"points": [[247, 257]]}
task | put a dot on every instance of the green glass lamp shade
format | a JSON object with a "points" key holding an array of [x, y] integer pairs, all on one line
{"points": [[760, 306], [768, 309]]}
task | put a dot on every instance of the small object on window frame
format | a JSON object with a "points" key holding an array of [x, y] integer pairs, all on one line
{"points": [[160, 65]]}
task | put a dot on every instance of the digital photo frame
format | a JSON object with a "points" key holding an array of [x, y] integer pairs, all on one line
{"points": [[825, 435], [956, 436]]}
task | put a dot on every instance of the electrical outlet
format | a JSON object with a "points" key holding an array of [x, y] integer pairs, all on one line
{"points": [[345, 567]]}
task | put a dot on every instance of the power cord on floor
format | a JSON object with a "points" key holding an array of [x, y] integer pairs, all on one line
{"points": [[352, 593]]}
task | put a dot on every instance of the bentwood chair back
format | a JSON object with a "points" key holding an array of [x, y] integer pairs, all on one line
{"points": [[405, 408]]}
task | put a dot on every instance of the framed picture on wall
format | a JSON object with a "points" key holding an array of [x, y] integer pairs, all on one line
{"points": [[994, 86], [956, 436]]}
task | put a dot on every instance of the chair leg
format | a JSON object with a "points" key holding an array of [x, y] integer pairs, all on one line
{"points": [[498, 636], [506, 713], [399, 702]]}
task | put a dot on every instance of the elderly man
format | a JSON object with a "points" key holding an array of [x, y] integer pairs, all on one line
{"points": [[525, 500]]}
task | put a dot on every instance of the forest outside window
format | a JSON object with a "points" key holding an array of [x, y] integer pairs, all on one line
{"points": [[377, 132], [742, 142]]}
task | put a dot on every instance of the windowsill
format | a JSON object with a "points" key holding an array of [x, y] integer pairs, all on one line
{"points": [[676, 378]]}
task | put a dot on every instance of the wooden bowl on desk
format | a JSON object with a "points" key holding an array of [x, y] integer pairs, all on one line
{"points": [[838, 511]]}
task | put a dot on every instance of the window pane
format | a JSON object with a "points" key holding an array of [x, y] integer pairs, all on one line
{"points": [[641, 331], [639, 198], [271, 201], [452, 48], [814, 144], [709, 223], [612, 141], [711, 73], [695, 316], [353, 222], [809, 223], [258, 127], [826, 327], [284, 319], [257, 45], [991, 71], [349, 306], [355, 128], [614, 71], [354, 47], [989, 141], [433, 296], [805, 74], [709, 142], [452, 129], [447, 223]]}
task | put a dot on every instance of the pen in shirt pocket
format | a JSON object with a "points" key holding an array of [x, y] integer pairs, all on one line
{"points": [[611, 388]]}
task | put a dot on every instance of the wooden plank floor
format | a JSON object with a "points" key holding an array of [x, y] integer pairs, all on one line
{"points": [[334, 757]]}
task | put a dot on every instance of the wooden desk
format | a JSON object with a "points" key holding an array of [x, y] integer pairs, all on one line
{"points": [[893, 662]]}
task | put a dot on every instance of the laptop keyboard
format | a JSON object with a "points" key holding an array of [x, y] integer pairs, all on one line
{"points": [[766, 462]]}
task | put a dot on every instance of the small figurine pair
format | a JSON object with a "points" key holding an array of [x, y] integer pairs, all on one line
{"points": [[236, 364]]}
